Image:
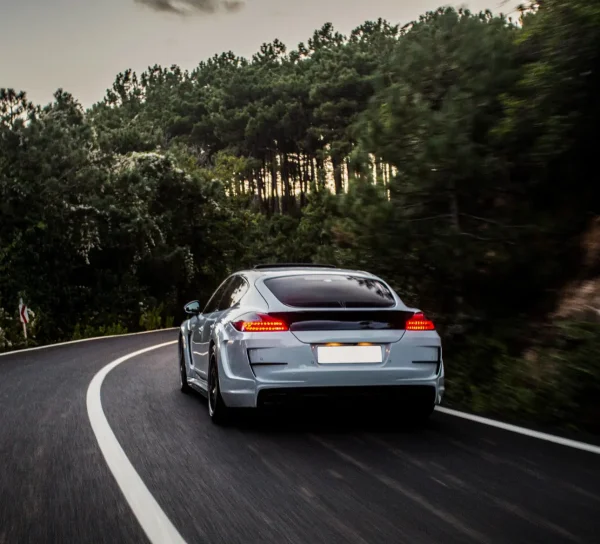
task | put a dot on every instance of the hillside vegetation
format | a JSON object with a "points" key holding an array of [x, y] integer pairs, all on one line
{"points": [[455, 156]]}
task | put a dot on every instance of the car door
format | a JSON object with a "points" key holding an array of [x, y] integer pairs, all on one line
{"points": [[234, 290], [200, 336]]}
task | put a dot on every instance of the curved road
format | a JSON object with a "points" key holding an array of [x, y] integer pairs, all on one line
{"points": [[262, 481]]}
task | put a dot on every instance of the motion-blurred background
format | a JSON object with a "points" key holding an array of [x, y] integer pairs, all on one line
{"points": [[454, 155]]}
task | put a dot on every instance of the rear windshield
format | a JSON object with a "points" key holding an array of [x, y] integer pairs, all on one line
{"points": [[330, 291]]}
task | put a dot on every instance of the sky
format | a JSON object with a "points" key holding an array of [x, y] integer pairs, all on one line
{"points": [[80, 45]]}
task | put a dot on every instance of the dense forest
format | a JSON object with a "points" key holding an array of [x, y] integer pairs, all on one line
{"points": [[454, 156]]}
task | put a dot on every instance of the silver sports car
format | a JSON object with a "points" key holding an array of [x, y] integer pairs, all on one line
{"points": [[286, 333]]}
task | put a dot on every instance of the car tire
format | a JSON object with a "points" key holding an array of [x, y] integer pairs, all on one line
{"points": [[183, 383], [217, 410]]}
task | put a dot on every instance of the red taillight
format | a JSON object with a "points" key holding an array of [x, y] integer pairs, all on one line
{"points": [[261, 323], [419, 322]]}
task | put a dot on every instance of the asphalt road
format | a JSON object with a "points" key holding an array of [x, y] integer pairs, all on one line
{"points": [[265, 481]]}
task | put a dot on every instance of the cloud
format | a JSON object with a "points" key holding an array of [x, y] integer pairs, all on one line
{"points": [[185, 7]]}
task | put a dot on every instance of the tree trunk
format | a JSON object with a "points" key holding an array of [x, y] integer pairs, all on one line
{"points": [[337, 173], [321, 181], [260, 186], [349, 173], [285, 177], [378, 173], [304, 179], [274, 195]]}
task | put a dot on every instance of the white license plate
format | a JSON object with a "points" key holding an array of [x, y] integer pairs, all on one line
{"points": [[349, 354]]}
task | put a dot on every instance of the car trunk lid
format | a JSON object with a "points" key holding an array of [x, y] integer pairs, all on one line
{"points": [[346, 326]]}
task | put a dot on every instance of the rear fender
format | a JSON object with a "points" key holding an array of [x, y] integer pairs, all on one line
{"points": [[234, 366]]}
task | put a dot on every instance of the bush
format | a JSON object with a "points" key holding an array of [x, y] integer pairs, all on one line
{"points": [[555, 383], [151, 317], [11, 330], [91, 331]]}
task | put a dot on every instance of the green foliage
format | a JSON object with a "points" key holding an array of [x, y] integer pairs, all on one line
{"points": [[11, 332], [90, 331], [556, 383], [454, 156], [151, 318]]}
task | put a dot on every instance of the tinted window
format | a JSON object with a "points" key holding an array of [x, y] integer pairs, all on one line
{"points": [[236, 289], [330, 291], [214, 302]]}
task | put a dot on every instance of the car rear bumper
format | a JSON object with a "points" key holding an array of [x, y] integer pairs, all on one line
{"points": [[387, 387], [255, 370], [406, 395]]}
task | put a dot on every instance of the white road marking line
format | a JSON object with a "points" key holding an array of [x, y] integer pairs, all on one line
{"points": [[153, 520], [14, 352], [521, 430]]}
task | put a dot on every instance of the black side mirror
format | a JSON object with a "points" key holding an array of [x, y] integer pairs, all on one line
{"points": [[192, 308]]}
